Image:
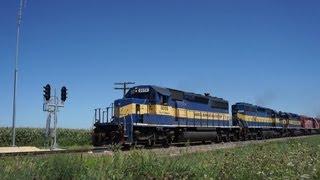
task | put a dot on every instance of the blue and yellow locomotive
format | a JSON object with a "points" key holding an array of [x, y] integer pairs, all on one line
{"points": [[151, 115], [264, 122]]}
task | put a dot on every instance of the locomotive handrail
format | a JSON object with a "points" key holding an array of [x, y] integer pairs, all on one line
{"points": [[97, 116], [102, 115]]}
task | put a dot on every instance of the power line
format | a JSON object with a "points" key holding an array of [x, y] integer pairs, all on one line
{"points": [[124, 86]]}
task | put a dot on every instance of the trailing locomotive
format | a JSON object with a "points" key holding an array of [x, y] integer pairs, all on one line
{"points": [[151, 115]]}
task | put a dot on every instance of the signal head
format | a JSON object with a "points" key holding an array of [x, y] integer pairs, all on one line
{"points": [[64, 93], [47, 92]]}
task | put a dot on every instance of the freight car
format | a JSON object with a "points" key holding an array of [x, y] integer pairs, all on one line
{"points": [[149, 115], [309, 124]]}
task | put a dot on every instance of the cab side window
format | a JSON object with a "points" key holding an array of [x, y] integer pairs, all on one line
{"points": [[164, 100]]}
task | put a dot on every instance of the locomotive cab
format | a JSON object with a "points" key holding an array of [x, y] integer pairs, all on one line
{"points": [[141, 102], [135, 102]]}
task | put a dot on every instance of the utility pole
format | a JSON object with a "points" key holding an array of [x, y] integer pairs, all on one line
{"points": [[124, 86], [19, 19]]}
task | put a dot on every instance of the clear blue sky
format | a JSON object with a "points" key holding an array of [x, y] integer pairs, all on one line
{"points": [[265, 52]]}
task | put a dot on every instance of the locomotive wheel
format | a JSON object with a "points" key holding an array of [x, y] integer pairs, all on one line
{"points": [[150, 143], [97, 140], [234, 138], [260, 135], [166, 143], [126, 147], [244, 138], [252, 136], [226, 138], [218, 139]]}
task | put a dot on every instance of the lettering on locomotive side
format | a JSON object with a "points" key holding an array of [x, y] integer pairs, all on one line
{"points": [[219, 116], [165, 108], [197, 114], [204, 115], [181, 113], [294, 122], [142, 90]]}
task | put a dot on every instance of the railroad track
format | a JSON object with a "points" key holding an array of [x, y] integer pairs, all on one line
{"points": [[176, 151], [173, 150]]}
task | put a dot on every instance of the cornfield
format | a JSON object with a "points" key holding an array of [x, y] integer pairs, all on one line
{"points": [[36, 137]]}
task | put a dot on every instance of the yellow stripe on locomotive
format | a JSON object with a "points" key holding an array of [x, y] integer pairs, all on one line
{"points": [[162, 110]]}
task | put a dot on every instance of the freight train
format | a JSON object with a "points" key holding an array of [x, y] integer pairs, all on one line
{"points": [[149, 115]]}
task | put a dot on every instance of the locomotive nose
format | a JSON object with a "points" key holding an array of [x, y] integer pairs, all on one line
{"points": [[122, 102], [124, 107]]}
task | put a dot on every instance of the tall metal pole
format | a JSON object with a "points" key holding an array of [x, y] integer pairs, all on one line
{"points": [[16, 75]]}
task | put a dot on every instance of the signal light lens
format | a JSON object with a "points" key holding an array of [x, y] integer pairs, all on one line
{"points": [[47, 92], [64, 93]]}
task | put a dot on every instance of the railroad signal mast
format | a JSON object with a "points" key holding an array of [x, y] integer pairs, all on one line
{"points": [[51, 105]]}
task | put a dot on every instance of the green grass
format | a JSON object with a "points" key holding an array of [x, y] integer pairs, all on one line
{"points": [[293, 159], [35, 137]]}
